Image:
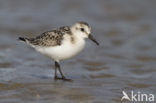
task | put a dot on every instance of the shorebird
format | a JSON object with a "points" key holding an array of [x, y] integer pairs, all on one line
{"points": [[61, 43]]}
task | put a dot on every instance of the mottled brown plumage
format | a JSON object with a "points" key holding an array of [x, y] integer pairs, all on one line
{"points": [[50, 38]]}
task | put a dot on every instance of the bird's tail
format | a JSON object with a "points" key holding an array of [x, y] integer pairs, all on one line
{"points": [[22, 39], [26, 40]]}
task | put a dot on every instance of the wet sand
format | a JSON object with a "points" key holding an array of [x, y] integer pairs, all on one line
{"points": [[125, 59]]}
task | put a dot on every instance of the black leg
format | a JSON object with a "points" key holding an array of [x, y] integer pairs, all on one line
{"points": [[57, 66], [55, 71]]}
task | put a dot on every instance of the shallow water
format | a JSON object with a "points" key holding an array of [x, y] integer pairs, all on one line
{"points": [[125, 59]]}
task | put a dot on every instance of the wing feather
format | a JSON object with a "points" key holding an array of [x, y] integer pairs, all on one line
{"points": [[50, 38]]}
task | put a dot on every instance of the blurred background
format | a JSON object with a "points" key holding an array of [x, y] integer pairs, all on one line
{"points": [[125, 59]]}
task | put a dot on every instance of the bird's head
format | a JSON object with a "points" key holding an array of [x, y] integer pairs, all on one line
{"points": [[83, 30]]}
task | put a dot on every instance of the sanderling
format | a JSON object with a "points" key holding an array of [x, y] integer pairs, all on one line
{"points": [[62, 43]]}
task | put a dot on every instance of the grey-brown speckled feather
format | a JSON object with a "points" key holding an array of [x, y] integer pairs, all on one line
{"points": [[51, 38]]}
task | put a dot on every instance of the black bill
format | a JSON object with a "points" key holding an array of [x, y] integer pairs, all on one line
{"points": [[93, 39]]}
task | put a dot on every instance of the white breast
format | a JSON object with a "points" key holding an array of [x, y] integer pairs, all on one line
{"points": [[64, 51]]}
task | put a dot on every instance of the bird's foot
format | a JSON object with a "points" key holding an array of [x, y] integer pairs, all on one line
{"points": [[57, 78], [65, 79], [62, 78]]}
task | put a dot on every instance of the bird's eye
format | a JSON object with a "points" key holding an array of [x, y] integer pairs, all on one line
{"points": [[82, 29]]}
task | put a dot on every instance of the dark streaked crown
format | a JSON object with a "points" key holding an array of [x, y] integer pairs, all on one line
{"points": [[84, 23]]}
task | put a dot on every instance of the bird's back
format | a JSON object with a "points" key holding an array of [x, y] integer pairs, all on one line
{"points": [[49, 38]]}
